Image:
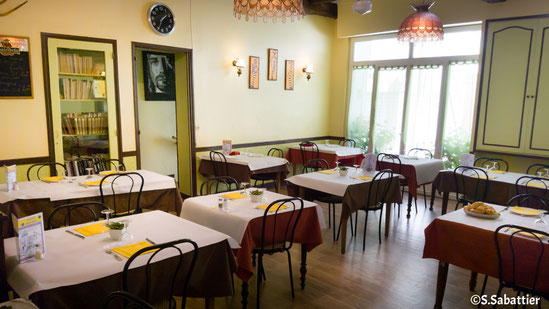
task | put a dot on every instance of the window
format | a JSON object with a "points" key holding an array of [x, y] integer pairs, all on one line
{"points": [[420, 95]]}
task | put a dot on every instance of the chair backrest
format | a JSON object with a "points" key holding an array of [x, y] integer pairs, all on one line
{"points": [[529, 200], [347, 142], [309, 151], [535, 168], [116, 180], [387, 157], [5, 227], [39, 166], [471, 191], [172, 245], [123, 299], [275, 152], [523, 273], [315, 165], [218, 185], [500, 164], [277, 233], [532, 185], [76, 213], [109, 164], [421, 153], [219, 163], [377, 193]]}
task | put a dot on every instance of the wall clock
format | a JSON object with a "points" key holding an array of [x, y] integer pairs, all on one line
{"points": [[161, 19]]}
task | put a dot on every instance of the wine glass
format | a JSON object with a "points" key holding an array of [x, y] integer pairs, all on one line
{"points": [[494, 168], [89, 170], [540, 223], [107, 212], [337, 165], [243, 186], [356, 166], [487, 167], [327, 142], [546, 173]]}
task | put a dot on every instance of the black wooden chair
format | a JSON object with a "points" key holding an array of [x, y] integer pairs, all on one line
{"points": [[117, 180], [532, 185], [52, 166], [152, 295], [5, 231], [397, 169], [349, 142], [470, 192], [309, 151], [277, 236], [121, 299], [273, 152], [110, 164], [76, 213], [315, 165], [501, 165], [219, 163], [421, 153], [534, 169], [219, 184]]}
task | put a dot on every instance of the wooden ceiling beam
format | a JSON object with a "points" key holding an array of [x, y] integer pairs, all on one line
{"points": [[326, 8]]}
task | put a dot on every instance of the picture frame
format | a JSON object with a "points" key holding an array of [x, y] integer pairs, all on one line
{"points": [[272, 66], [159, 76], [253, 77], [15, 68], [289, 75]]}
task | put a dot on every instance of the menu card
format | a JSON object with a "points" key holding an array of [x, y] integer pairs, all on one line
{"points": [[11, 177], [30, 239], [227, 146], [467, 159]]}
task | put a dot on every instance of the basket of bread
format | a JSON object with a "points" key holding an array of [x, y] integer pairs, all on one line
{"points": [[481, 210]]}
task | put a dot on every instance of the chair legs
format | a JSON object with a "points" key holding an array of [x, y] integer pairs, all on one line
{"points": [[425, 195], [291, 276], [364, 236], [483, 288], [261, 275], [259, 270], [329, 215]]}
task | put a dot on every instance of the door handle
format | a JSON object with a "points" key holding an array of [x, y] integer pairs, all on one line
{"points": [[174, 138]]}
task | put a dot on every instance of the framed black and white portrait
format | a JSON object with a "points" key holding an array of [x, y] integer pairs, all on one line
{"points": [[159, 76]]}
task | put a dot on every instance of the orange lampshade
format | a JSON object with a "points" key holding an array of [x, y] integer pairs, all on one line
{"points": [[269, 9], [421, 26]]}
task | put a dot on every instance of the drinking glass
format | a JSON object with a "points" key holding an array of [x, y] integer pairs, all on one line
{"points": [[244, 186], [327, 142], [487, 167], [546, 173], [107, 213], [494, 168], [356, 166], [89, 170], [540, 223], [337, 165]]}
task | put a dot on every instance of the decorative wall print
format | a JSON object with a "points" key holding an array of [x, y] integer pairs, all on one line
{"points": [[272, 72], [15, 68], [253, 77], [289, 79], [159, 76]]}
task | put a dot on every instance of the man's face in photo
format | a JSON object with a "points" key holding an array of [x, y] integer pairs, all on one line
{"points": [[157, 67]]}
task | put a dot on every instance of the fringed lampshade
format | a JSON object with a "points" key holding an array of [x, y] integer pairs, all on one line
{"points": [[421, 26], [269, 9]]}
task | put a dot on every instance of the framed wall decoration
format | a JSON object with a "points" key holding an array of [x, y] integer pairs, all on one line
{"points": [[159, 76], [253, 77], [272, 71], [15, 68], [289, 75]]}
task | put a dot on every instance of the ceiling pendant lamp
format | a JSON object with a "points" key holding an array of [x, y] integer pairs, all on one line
{"points": [[422, 25], [269, 9]]}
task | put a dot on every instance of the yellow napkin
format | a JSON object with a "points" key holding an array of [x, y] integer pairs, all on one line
{"points": [[53, 179], [129, 250], [94, 183], [93, 229], [106, 172], [528, 234], [328, 172], [497, 172], [525, 211], [274, 208], [537, 185], [365, 178], [235, 195]]}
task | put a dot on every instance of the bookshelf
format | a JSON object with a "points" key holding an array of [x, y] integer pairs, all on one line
{"points": [[83, 103]]}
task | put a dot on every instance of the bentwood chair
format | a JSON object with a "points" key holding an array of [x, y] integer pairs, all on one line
{"points": [[131, 184], [53, 167], [277, 235], [421, 153], [397, 169], [76, 213], [109, 164], [219, 163], [121, 299], [500, 164], [155, 286], [218, 185], [309, 151], [532, 185], [5, 228], [470, 191], [273, 152], [537, 168], [349, 142]]}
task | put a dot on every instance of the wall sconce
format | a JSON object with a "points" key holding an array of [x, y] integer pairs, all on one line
{"points": [[239, 64], [308, 69]]}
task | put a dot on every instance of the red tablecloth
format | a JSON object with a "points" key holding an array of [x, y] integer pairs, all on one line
{"points": [[408, 171], [294, 156]]}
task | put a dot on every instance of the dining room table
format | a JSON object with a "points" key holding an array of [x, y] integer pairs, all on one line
{"points": [[468, 242], [78, 272], [417, 172], [160, 192], [243, 165], [332, 153], [243, 222], [353, 188]]}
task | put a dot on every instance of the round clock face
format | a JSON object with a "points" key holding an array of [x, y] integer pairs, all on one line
{"points": [[161, 19]]}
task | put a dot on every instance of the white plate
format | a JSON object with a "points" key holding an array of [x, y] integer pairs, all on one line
{"points": [[482, 216]]}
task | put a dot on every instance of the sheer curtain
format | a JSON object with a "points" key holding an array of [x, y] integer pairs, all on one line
{"points": [[358, 121], [423, 106]]}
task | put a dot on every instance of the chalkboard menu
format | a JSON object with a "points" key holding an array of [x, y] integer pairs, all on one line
{"points": [[15, 71]]}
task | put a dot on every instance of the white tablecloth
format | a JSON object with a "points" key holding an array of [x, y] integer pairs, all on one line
{"points": [[254, 161], [72, 190], [70, 260], [426, 169], [339, 151], [204, 210]]}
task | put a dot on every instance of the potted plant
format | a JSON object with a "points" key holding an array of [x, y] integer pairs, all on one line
{"points": [[343, 170], [117, 230], [256, 195]]}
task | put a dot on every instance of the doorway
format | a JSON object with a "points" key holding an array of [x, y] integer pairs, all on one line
{"points": [[163, 110]]}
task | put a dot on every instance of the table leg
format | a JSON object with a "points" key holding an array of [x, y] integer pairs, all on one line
{"points": [[473, 281], [410, 197], [294, 168], [244, 294], [303, 269], [301, 192], [433, 194], [209, 302], [278, 181], [343, 235], [445, 196], [441, 283], [388, 207]]}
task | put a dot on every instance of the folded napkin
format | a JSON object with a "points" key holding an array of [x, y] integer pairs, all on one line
{"points": [[95, 182], [52, 179], [529, 234], [107, 172], [129, 250], [480, 176], [93, 229], [497, 172], [235, 195], [274, 208], [537, 185], [328, 172], [365, 178], [525, 211]]}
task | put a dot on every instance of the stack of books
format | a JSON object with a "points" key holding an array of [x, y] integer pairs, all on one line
{"points": [[84, 124], [76, 166], [72, 63], [76, 89]]}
